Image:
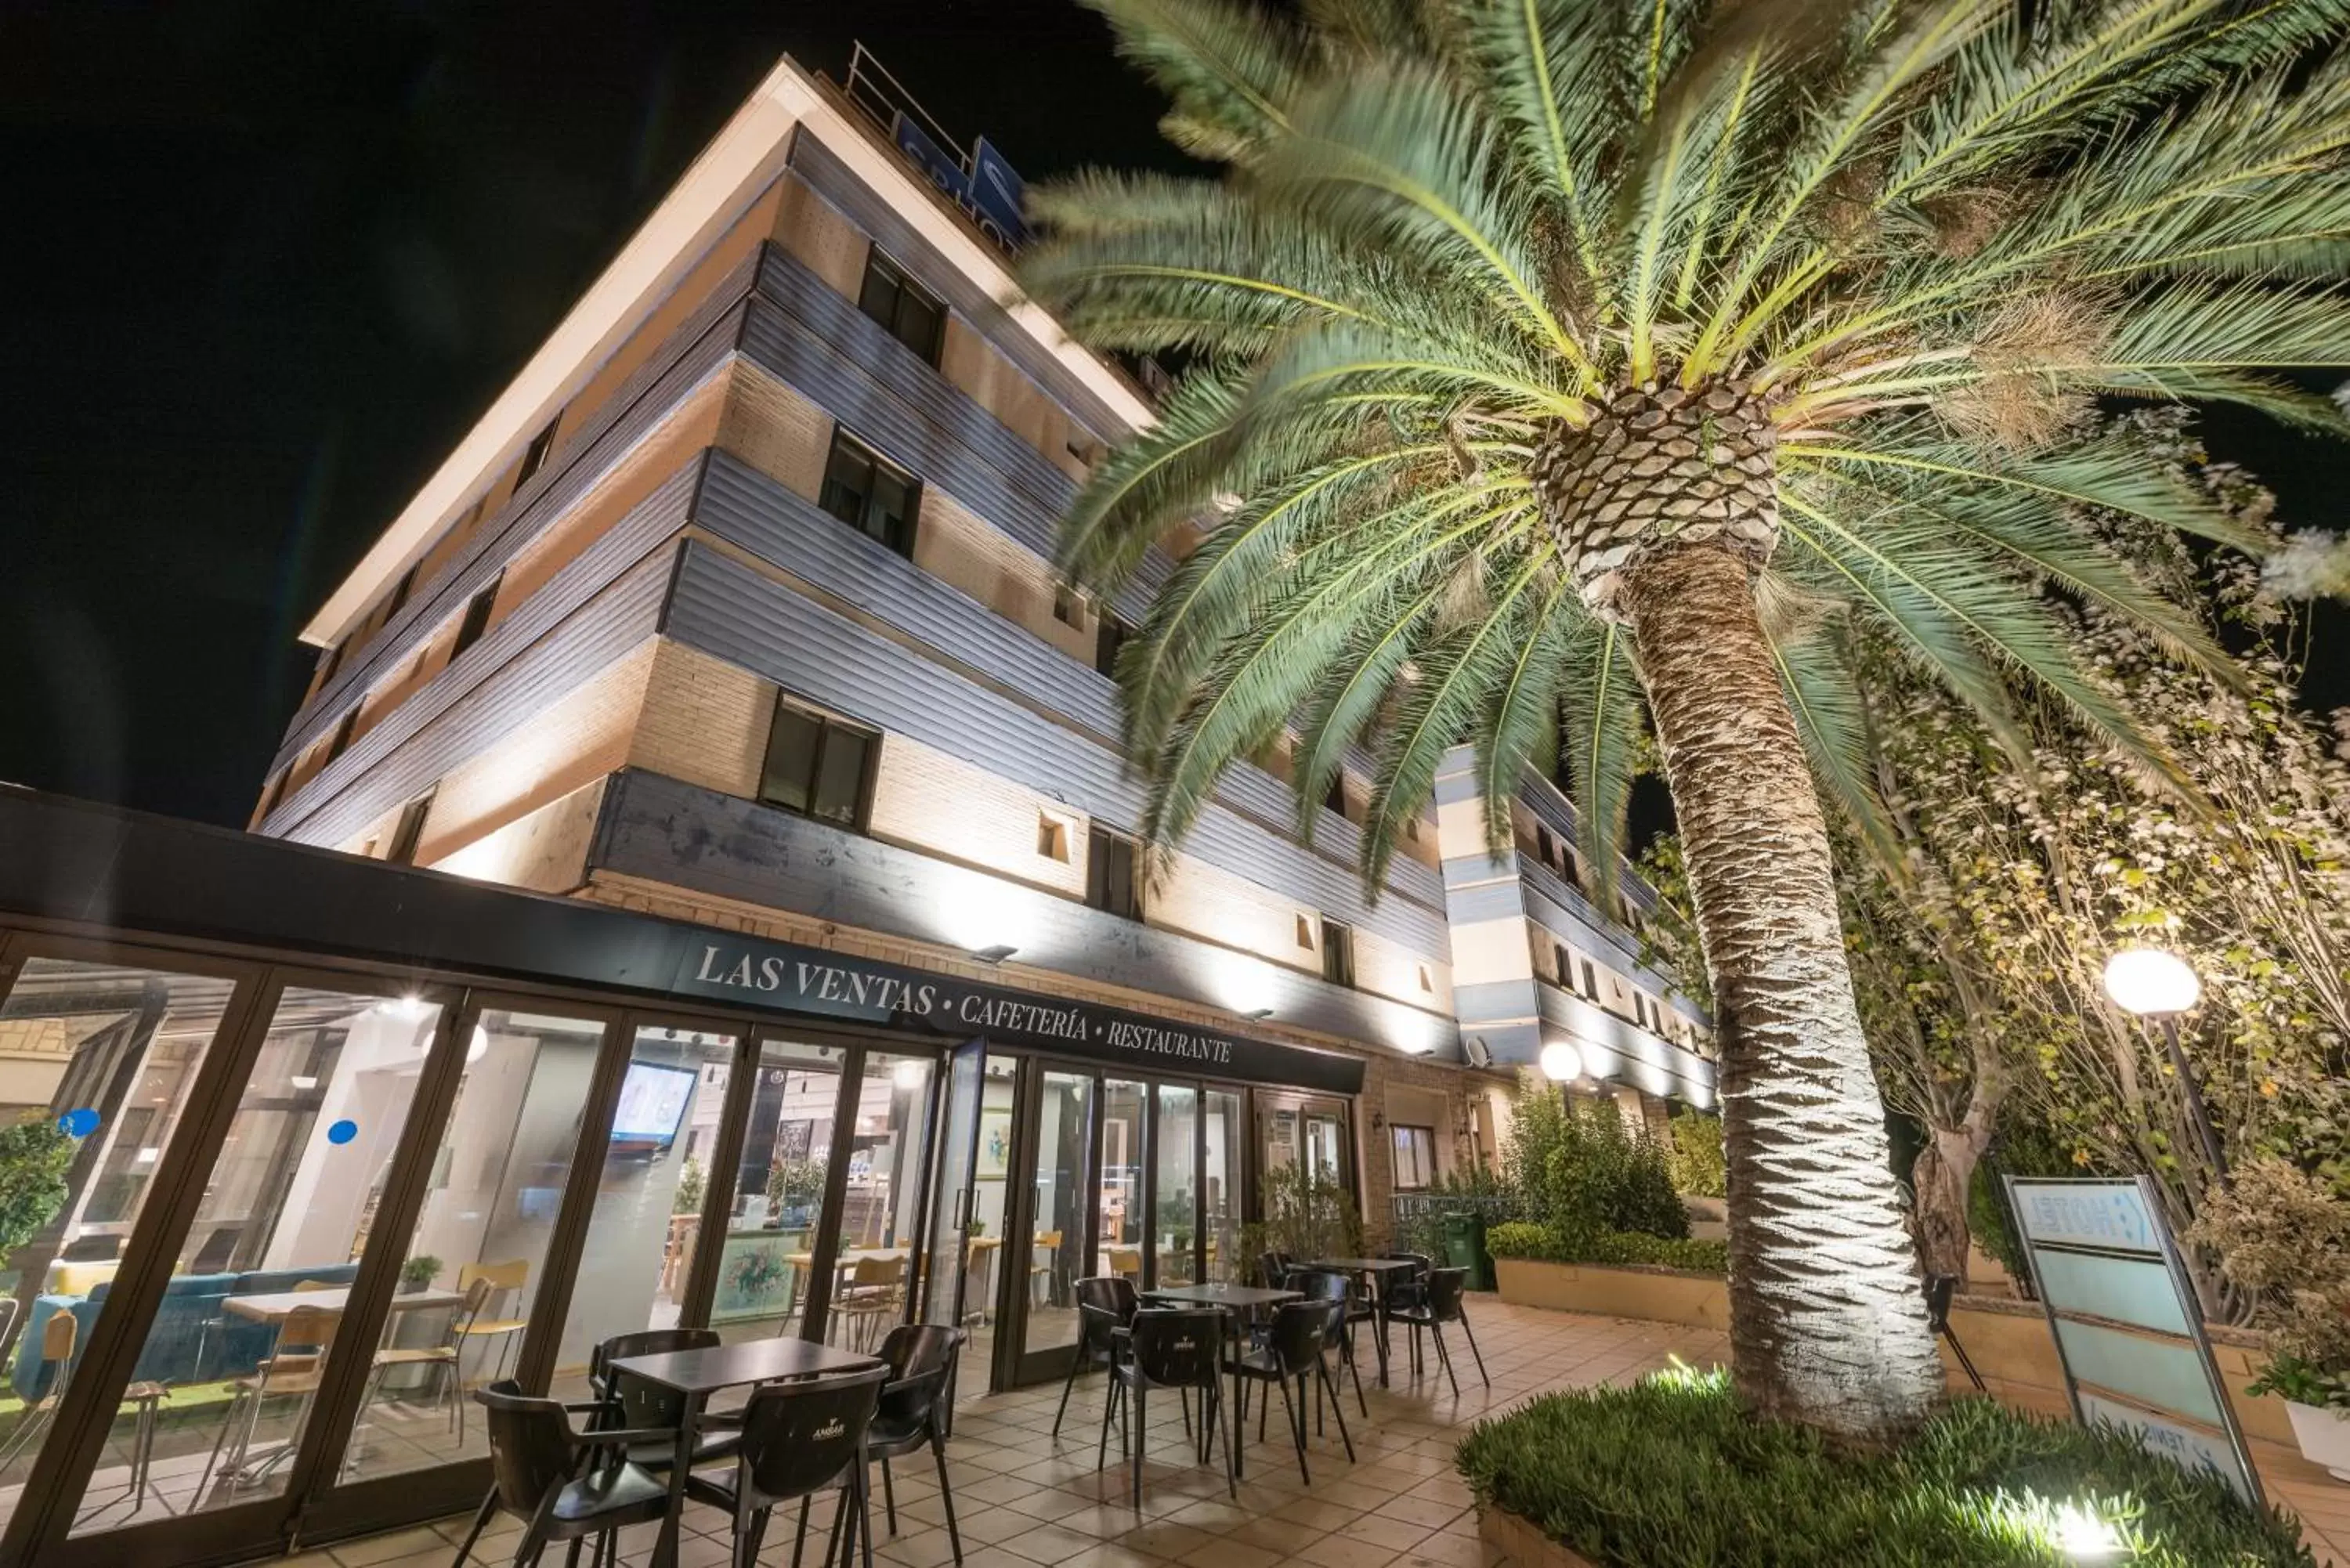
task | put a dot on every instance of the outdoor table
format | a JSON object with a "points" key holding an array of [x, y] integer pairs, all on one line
{"points": [[1234, 1299], [1377, 1270], [698, 1374], [273, 1308]]}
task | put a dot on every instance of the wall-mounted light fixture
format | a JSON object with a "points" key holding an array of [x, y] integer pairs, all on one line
{"points": [[995, 954]]}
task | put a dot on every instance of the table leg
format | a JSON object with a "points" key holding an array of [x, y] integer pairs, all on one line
{"points": [[1379, 1326], [680, 1461]]}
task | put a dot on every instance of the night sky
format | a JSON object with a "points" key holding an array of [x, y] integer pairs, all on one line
{"points": [[265, 263]]}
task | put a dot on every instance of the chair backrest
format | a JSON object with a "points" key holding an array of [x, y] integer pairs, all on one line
{"points": [[510, 1275], [919, 1355], [637, 1403], [876, 1271], [1444, 1287], [302, 1286], [530, 1446], [1422, 1264], [798, 1436], [1273, 1269], [1322, 1286], [1124, 1261], [308, 1330], [1047, 1239], [1177, 1348], [58, 1336], [1303, 1329]]}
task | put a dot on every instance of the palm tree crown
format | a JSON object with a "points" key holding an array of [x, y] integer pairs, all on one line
{"points": [[1498, 296]]}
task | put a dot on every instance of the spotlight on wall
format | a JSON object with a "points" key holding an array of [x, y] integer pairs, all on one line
{"points": [[995, 954]]}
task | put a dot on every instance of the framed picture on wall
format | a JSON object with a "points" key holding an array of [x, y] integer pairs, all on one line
{"points": [[995, 1145]]}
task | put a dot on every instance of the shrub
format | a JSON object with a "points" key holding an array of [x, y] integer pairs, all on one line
{"points": [[1695, 1160], [1306, 1215], [34, 1158], [1551, 1244], [1576, 1165], [1670, 1474], [2284, 1236]]}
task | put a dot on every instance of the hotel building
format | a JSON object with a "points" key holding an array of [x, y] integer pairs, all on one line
{"points": [[705, 891]]}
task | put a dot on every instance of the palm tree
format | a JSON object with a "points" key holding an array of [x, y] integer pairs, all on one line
{"points": [[1550, 360]]}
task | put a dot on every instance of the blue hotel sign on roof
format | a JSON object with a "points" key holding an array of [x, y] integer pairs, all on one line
{"points": [[989, 190]]}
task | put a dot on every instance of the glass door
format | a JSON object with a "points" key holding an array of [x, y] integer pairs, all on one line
{"points": [[1175, 1205], [1053, 1257], [1223, 1138], [776, 1212], [954, 1197], [1119, 1192]]}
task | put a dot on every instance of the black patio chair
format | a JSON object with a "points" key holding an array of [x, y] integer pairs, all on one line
{"points": [[626, 1400], [563, 1485], [1180, 1350], [1105, 1305], [798, 1438], [919, 1357], [1409, 1290], [1441, 1305], [1297, 1349], [1274, 1268], [1321, 1285]]}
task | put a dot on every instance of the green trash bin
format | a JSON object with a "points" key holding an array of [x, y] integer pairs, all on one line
{"points": [[1464, 1249]]}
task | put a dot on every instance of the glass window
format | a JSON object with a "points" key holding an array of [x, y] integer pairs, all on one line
{"points": [[225, 1384], [1220, 1204], [1109, 637], [342, 740], [1056, 1247], [1337, 952], [477, 617], [881, 1208], [482, 1236], [534, 456], [818, 766], [1178, 1216], [97, 1062], [409, 832], [1121, 1181], [1415, 1158], [868, 494], [639, 1256], [778, 1203], [1109, 874], [902, 305]]}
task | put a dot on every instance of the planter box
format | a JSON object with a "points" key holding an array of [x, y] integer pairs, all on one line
{"points": [[2008, 1339], [1663, 1295], [2324, 1437], [1525, 1546]]}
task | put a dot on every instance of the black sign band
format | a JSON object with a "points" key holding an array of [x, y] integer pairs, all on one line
{"points": [[813, 982]]}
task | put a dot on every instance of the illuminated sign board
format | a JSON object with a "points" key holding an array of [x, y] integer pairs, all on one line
{"points": [[988, 190]]}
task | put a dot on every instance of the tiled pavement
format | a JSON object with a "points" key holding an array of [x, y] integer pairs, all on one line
{"points": [[1026, 1499]]}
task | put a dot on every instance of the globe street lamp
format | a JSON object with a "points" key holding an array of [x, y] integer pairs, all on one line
{"points": [[2150, 982]]}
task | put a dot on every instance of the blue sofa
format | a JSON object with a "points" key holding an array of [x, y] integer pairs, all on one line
{"points": [[179, 1346]]}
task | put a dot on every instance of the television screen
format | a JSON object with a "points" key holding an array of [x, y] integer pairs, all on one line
{"points": [[652, 1102]]}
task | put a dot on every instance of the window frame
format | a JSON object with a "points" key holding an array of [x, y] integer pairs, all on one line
{"points": [[909, 524], [903, 283], [1337, 947], [1427, 1147], [827, 725], [1098, 840], [535, 455], [408, 831], [475, 624]]}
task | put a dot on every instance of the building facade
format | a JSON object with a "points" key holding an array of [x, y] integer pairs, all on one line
{"points": [[732, 623]]}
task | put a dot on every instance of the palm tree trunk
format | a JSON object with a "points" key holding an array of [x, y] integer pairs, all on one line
{"points": [[1827, 1317]]}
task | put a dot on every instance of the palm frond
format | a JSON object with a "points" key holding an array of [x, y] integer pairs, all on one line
{"points": [[1230, 70], [1601, 704]]}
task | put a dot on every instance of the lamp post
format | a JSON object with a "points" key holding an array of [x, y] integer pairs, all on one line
{"points": [[2151, 982], [1562, 1064]]}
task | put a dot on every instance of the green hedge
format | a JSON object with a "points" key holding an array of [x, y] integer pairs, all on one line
{"points": [[1670, 1474], [1564, 1244]]}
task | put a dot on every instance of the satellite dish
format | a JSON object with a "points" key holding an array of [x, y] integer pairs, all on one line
{"points": [[1480, 1053]]}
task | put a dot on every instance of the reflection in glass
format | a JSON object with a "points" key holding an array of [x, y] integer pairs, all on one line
{"points": [[482, 1237], [1177, 1219], [253, 1314], [778, 1204], [1220, 1204], [639, 1256], [984, 1241], [881, 1208], [113, 1052], [1121, 1181], [1055, 1251]]}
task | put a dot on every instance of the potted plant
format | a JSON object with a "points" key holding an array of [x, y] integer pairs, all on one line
{"points": [[418, 1275], [2282, 1237], [2318, 1403], [794, 1188]]}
